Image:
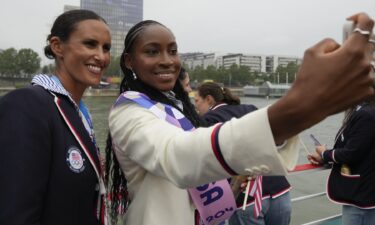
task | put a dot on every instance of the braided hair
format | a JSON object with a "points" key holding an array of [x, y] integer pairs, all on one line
{"points": [[115, 179]]}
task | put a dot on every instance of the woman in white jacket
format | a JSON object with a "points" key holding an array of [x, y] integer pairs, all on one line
{"points": [[159, 155]]}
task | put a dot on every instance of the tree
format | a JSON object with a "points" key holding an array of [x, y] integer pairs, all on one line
{"points": [[27, 61], [114, 68], [287, 71], [48, 69], [8, 64]]}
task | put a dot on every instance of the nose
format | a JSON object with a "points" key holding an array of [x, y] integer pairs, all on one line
{"points": [[101, 55], [166, 59]]}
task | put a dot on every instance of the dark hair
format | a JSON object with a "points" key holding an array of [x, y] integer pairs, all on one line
{"points": [[118, 187], [220, 94], [182, 74], [349, 114], [65, 24]]}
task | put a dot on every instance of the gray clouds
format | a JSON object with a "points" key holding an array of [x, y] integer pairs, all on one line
{"points": [[285, 27]]}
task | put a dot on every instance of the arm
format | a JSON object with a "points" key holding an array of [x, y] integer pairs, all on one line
{"points": [[188, 159], [24, 161], [360, 137], [331, 79]]}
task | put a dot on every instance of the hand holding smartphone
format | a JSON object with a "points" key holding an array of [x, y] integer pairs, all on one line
{"points": [[348, 29]]}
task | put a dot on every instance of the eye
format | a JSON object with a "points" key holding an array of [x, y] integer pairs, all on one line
{"points": [[90, 43], [107, 47], [173, 51], [152, 52]]}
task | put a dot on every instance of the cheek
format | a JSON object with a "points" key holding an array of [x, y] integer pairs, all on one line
{"points": [[107, 59]]}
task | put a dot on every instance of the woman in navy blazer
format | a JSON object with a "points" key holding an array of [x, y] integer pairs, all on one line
{"points": [[50, 167], [218, 104], [351, 182]]}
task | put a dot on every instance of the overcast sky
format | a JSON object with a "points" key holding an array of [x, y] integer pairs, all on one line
{"points": [[285, 27]]}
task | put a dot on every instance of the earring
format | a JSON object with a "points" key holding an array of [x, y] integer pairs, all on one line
{"points": [[134, 76]]}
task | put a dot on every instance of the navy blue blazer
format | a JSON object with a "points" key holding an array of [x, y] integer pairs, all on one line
{"points": [[46, 175], [354, 148], [273, 186]]}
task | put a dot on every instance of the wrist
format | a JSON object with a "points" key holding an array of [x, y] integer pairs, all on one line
{"points": [[289, 116]]}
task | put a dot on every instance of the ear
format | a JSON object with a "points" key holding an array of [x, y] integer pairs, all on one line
{"points": [[56, 46], [210, 100], [128, 61]]}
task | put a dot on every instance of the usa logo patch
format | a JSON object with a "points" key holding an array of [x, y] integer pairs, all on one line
{"points": [[75, 160]]}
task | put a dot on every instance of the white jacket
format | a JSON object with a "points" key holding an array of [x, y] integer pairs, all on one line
{"points": [[160, 160]]}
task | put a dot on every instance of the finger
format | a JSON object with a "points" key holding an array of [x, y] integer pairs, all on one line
{"points": [[325, 46], [363, 21], [314, 162], [363, 28]]}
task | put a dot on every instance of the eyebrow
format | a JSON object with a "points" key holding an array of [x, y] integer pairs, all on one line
{"points": [[158, 44]]}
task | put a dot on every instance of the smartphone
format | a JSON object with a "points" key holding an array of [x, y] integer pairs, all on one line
{"points": [[348, 29], [316, 142]]}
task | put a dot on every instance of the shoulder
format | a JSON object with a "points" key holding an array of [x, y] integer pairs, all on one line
{"points": [[29, 92], [129, 115], [27, 98], [365, 112]]}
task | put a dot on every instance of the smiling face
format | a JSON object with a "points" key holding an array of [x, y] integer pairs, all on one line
{"points": [[84, 57], [154, 58]]}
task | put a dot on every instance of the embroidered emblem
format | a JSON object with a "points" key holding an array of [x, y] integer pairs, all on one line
{"points": [[75, 160]]}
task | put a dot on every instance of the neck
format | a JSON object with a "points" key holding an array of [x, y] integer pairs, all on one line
{"points": [[74, 88]]}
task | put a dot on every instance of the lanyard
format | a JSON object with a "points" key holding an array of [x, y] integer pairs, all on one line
{"points": [[83, 112]]}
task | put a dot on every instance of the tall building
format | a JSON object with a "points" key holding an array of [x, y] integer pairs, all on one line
{"points": [[120, 15]]}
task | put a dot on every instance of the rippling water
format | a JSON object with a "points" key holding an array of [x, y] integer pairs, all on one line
{"points": [[303, 183]]}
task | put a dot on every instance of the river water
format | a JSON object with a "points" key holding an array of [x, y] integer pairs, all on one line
{"points": [[302, 183]]}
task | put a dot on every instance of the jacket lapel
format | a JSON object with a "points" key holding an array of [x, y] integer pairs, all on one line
{"points": [[77, 128]]}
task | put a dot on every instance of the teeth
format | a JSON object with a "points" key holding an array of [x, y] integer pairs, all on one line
{"points": [[94, 69], [165, 75]]}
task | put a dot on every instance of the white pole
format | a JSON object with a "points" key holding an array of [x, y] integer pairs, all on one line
{"points": [[278, 78]]}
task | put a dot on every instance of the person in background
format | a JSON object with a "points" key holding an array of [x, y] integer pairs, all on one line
{"points": [[217, 104], [185, 80], [351, 182], [157, 154], [50, 167]]}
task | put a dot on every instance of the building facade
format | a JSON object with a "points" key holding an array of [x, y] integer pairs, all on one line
{"points": [[120, 15], [272, 62], [192, 60]]}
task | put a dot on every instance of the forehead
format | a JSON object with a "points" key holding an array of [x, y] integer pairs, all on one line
{"points": [[95, 29], [156, 34]]}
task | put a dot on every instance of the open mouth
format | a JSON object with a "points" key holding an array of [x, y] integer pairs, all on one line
{"points": [[94, 69], [165, 74]]}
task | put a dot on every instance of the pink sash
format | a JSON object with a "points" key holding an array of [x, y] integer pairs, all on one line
{"points": [[214, 201]]}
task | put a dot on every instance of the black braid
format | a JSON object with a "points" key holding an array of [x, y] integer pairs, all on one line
{"points": [[114, 175]]}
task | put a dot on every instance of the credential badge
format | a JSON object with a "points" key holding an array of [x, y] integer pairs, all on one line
{"points": [[75, 160]]}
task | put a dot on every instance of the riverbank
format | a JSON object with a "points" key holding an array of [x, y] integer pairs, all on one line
{"points": [[114, 92], [94, 92], [4, 90]]}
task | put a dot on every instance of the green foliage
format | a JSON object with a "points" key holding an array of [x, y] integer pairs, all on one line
{"points": [[234, 76], [27, 61], [8, 64], [283, 72], [114, 68], [48, 69], [17, 64]]}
